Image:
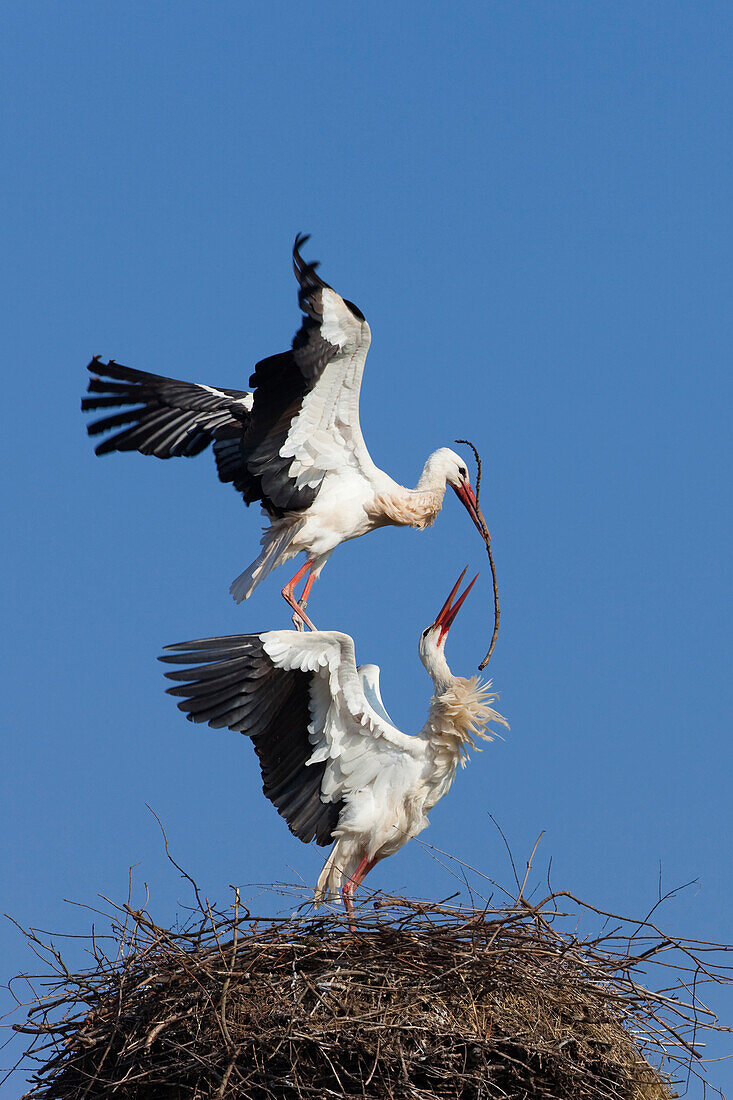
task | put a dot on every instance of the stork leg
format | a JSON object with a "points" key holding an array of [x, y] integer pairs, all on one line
{"points": [[303, 601], [347, 890], [299, 616], [287, 592]]}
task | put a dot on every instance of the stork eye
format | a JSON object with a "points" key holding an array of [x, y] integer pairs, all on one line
{"points": [[426, 631], [463, 471]]}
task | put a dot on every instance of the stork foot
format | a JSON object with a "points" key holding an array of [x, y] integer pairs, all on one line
{"points": [[299, 616], [299, 606]]}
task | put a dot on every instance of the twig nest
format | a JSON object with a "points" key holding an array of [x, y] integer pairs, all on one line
{"points": [[419, 1003]]}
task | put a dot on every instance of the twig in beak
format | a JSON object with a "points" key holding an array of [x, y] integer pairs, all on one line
{"points": [[487, 540]]}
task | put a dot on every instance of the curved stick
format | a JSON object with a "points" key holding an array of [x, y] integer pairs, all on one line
{"points": [[487, 540]]}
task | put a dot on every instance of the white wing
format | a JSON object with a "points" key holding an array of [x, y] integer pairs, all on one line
{"points": [[330, 350], [305, 416], [301, 701], [277, 444], [326, 433], [356, 744]]}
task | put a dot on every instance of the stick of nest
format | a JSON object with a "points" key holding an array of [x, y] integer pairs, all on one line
{"points": [[424, 1000], [487, 540]]}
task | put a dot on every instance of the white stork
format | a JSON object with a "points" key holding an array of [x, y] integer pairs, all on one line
{"points": [[294, 443], [333, 763]]}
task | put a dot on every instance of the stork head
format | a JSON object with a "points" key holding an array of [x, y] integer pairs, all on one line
{"points": [[432, 639], [455, 471]]}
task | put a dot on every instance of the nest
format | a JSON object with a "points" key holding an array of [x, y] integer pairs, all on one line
{"points": [[422, 1001]]}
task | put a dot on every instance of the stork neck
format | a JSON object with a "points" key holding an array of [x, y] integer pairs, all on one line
{"points": [[458, 715], [443, 733], [432, 478], [439, 671]]}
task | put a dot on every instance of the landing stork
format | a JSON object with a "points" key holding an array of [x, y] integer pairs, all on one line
{"points": [[333, 762], [294, 444]]}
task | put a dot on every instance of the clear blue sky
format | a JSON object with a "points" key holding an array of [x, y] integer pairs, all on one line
{"points": [[531, 203]]}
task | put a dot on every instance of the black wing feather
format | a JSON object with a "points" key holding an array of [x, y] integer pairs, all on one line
{"points": [[253, 462], [280, 383], [169, 418], [173, 418], [241, 689]]}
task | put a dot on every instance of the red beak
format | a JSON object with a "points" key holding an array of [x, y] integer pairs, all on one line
{"points": [[449, 610], [467, 497]]}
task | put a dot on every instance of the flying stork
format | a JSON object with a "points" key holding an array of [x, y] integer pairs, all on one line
{"points": [[294, 443], [333, 763]]}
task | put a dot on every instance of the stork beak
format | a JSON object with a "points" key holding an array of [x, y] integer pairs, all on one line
{"points": [[467, 497], [449, 610]]}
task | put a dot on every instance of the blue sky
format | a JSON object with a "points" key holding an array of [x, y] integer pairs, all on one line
{"points": [[531, 203]]}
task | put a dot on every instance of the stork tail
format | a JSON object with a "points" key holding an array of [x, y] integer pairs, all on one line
{"points": [[276, 544], [329, 880]]}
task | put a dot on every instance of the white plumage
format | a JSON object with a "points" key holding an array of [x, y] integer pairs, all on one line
{"points": [[333, 762], [294, 444]]}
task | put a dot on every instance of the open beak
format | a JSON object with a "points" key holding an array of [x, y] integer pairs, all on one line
{"points": [[449, 610], [467, 497]]}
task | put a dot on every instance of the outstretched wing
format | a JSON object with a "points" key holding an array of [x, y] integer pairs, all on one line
{"points": [[276, 445], [305, 416], [161, 416], [239, 688], [300, 699]]}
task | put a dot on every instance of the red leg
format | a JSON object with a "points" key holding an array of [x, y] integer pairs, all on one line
{"points": [[347, 891], [288, 596], [363, 870], [303, 601]]}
